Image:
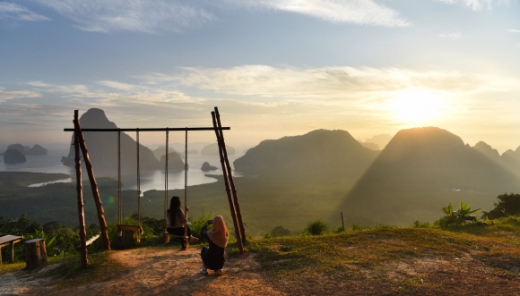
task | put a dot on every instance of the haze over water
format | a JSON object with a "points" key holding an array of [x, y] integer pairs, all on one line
{"points": [[51, 163]]}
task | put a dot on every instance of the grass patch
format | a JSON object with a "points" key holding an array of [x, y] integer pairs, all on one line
{"points": [[347, 254]]}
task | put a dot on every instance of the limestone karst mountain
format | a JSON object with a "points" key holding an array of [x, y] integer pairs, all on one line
{"points": [[161, 151], [380, 140], [102, 147], [212, 149], [175, 163], [13, 156], [511, 159], [36, 150], [321, 154], [420, 171], [26, 150], [206, 167]]}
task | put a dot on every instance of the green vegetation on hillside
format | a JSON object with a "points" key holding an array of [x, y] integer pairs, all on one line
{"points": [[26, 178]]}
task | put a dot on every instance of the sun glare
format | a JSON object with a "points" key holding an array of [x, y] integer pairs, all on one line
{"points": [[416, 106]]}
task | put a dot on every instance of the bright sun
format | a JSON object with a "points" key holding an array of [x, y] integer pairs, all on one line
{"points": [[416, 106]]}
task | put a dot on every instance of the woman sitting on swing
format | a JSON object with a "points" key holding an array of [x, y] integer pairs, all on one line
{"points": [[177, 222]]}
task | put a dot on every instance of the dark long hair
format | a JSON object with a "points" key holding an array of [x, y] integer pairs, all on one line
{"points": [[175, 206]]}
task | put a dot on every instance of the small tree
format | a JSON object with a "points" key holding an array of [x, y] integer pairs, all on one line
{"points": [[457, 217], [509, 205]]}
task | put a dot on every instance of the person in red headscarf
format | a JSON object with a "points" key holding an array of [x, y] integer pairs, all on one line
{"points": [[214, 256]]}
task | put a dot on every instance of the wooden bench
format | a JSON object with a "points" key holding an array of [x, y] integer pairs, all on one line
{"points": [[9, 240]]}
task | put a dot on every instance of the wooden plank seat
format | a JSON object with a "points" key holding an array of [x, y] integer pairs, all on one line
{"points": [[168, 236], [138, 230], [9, 240]]}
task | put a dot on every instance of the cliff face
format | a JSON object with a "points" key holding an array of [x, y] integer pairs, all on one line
{"points": [[103, 150]]}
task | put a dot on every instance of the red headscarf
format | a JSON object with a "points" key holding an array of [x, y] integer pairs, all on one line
{"points": [[219, 234]]}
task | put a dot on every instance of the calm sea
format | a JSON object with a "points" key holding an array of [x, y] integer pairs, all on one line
{"points": [[51, 163]]}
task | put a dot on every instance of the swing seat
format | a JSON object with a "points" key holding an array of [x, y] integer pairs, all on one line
{"points": [[138, 230], [168, 236]]}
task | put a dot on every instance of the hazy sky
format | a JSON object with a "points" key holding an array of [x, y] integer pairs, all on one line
{"points": [[273, 67]]}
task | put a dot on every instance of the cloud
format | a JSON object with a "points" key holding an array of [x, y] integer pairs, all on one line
{"points": [[476, 4], [145, 98], [124, 94], [129, 15], [18, 12], [328, 83], [9, 95], [365, 12], [117, 85], [450, 36], [65, 89], [514, 31]]}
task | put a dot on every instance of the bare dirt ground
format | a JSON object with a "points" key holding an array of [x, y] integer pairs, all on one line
{"points": [[155, 272], [150, 271]]}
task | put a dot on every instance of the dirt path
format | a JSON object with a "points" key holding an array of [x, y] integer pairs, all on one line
{"points": [[149, 271], [163, 272]]}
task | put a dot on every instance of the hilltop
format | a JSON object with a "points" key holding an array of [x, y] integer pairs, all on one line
{"points": [[381, 261]]}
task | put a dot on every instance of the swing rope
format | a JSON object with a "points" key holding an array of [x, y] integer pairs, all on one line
{"points": [[186, 182], [119, 197], [166, 185], [138, 182]]}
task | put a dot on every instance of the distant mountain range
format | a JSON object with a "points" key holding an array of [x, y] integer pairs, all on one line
{"points": [[16, 153], [510, 159], [419, 171], [102, 148]]}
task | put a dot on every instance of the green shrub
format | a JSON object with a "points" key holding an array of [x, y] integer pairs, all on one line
{"points": [[279, 231], [316, 228], [421, 224], [357, 226]]}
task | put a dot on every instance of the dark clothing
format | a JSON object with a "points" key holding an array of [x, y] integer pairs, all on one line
{"points": [[180, 232], [213, 257]]}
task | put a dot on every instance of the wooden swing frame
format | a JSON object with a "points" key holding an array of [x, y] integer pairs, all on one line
{"points": [[79, 141]]}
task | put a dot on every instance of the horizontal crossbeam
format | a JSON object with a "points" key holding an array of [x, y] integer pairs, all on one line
{"points": [[146, 129]]}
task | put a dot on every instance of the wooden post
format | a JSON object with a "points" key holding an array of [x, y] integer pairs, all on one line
{"points": [[342, 222], [138, 180], [186, 241], [166, 234], [35, 253], [228, 191], [81, 202], [93, 184], [230, 177]]}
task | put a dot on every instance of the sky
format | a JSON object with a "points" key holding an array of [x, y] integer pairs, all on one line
{"points": [[274, 68]]}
